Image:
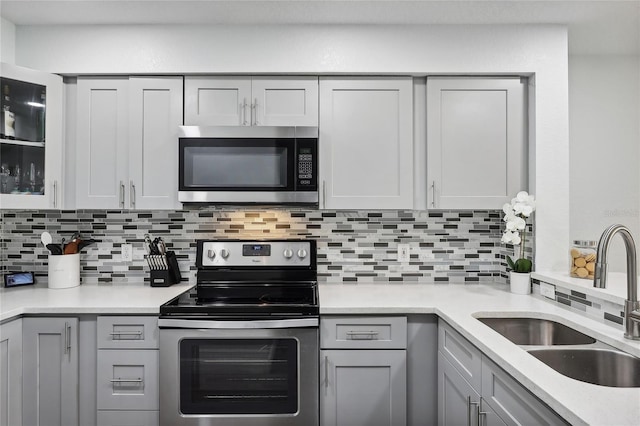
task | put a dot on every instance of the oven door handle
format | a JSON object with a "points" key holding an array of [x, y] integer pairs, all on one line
{"points": [[247, 324]]}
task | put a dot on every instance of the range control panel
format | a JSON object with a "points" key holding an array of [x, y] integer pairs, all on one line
{"points": [[256, 253]]}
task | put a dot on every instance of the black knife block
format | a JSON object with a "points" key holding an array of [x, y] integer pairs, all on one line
{"points": [[163, 269]]}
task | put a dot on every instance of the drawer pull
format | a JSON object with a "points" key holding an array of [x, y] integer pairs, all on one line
{"points": [[362, 335], [135, 335], [119, 381]]}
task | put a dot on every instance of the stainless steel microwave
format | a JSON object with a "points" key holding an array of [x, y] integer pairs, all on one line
{"points": [[248, 165]]}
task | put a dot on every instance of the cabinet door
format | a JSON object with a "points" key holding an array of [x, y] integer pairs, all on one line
{"points": [[217, 101], [363, 387], [476, 141], [488, 416], [511, 401], [50, 371], [286, 101], [31, 154], [11, 373], [128, 418], [458, 401], [465, 357], [102, 143], [366, 148], [155, 113]]}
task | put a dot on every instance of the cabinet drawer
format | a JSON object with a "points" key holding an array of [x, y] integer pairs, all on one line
{"points": [[350, 332], [465, 357], [127, 380], [128, 418], [127, 332]]}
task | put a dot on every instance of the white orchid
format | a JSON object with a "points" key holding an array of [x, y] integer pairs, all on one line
{"points": [[515, 215]]}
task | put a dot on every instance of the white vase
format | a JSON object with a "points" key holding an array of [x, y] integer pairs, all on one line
{"points": [[520, 283]]}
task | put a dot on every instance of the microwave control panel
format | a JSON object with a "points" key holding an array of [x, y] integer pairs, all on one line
{"points": [[306, 156]]}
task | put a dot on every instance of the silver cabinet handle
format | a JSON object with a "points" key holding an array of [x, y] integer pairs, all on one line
{"points": [[119, 381], [326, 371], [362, 335], [55, 194], [469, 404], [433, 194], [481, 414], [67, 339], [122, 194], [255, 112], [125, 333], [244, 112], [132, 194], [324, 194]]}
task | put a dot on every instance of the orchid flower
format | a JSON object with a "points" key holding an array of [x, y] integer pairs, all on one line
{"points": [[515, 215]]}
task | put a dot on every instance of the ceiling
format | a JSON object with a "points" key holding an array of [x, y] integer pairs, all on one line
{"points": [[595, 27]]}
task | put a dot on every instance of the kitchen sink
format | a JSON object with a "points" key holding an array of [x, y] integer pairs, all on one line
{"points": [[598, 366], [537, 331]]}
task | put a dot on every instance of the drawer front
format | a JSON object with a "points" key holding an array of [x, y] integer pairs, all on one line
{"points": [[127, 332], [128, 418], [353, 332], [465, 357], [127, 380]]}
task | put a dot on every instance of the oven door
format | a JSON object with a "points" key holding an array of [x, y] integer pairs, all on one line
{"points": [[232, 373]]}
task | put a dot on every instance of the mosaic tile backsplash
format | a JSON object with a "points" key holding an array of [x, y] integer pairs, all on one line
{"points": [[353, 246]]}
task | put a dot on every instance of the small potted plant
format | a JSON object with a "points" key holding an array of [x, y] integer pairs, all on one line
{"points": [[516, 214]]}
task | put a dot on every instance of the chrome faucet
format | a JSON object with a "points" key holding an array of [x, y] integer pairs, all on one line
{"points": [[631, 304]]}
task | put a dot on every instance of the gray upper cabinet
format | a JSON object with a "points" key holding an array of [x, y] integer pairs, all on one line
{"points": [[366, 143], [251, 101], [50, 372], [476, 141], [127, 142]]}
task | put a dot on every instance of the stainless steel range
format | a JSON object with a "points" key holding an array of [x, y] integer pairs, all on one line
{"points": [[241, 347]]}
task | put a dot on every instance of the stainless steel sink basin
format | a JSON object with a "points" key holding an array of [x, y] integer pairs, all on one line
{"points": [[598, 366], [536, 331]]}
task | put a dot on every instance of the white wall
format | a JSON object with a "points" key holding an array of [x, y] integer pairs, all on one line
{"points": [[7, 41], [604, 118], [415, 50]]}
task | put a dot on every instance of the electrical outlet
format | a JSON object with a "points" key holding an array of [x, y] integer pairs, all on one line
{"points": [[548, 290], [403, 253], [126, 252]]}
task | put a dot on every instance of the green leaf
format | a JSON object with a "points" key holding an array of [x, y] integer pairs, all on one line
{"points": [[510, 263]]}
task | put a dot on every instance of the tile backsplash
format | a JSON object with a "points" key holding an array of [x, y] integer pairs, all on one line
{"points": [[353, 246]]}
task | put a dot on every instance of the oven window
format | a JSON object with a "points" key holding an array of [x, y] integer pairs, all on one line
{"points": [[235, 167], [239, 376]]}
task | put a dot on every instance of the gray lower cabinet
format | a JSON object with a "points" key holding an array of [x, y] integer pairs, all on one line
{"points": [[474, 391], [127, 376], [367, 383], [11, 373], [50, 371]]}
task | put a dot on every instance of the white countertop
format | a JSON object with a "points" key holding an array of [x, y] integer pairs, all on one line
{"points": [[616, 290], [577, 402], [130, 298]]}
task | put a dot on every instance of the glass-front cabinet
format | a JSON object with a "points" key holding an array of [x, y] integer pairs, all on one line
{"points": [[30, 138]]}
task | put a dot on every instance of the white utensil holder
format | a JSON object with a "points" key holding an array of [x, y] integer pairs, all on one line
{"points": [[64, 271]]}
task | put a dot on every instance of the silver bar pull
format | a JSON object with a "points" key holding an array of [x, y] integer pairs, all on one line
{"points": [[481, 414], [67, 339], [362, 335], [122, 194], [326, 371], [120, 381], [469, 414], [244, 112], [255, 115], [433, 194], [132, 194], [119, 334], [324, 194], [55, 194]]}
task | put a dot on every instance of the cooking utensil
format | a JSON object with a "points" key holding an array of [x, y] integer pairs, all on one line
{"points": [[46, 238], [83, 243], [54, 249]]}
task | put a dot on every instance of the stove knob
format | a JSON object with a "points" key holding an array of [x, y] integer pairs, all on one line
{"points": [[302, 253], [224, 253], [288, 253], [211, 254]]}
